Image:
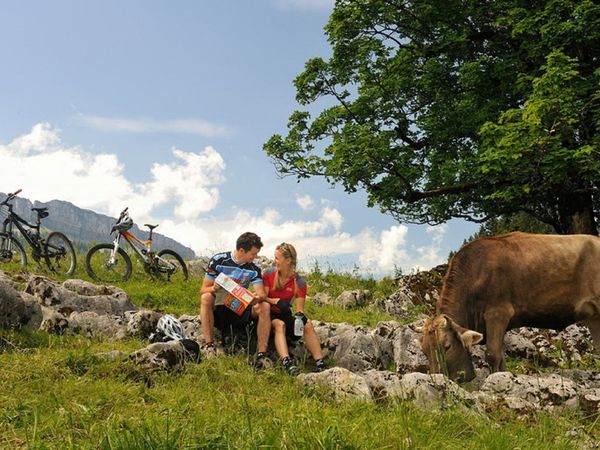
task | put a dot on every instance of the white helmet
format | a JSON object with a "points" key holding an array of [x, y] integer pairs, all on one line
{"points": [[170, 327], [123, 225]]}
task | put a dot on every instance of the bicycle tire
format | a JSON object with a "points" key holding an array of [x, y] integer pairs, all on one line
{"points": [[11, 250], [172, 257], [98, 267], [60, 254]]}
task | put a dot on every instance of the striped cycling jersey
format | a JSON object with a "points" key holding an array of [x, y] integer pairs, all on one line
{"points": [[243, 274]]}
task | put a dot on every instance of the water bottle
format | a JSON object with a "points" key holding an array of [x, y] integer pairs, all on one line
{"points": [[298, 326]]}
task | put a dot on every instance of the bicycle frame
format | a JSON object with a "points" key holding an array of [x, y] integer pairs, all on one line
{"points": [[33, 238], [143, 249]]}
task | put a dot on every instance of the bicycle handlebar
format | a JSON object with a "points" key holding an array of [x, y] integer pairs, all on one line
{"points": [[9, 197], [123, 214]]}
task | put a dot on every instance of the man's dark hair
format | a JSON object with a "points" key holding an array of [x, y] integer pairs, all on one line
{"points": [[247, 241]]}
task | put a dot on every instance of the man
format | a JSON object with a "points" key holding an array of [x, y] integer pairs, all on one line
{"points": [[239, 266]]}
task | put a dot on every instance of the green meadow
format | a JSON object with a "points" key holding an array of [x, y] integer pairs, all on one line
{"points": [[56, 392]]}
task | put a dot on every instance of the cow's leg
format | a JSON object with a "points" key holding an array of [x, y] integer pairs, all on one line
{"points": [[594, 325], [496, 323]]}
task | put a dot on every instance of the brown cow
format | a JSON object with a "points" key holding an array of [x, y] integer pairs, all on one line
{"points": [[504, 282]]}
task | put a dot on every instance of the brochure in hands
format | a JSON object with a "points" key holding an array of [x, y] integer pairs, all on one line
{"points": [[239, 297]]}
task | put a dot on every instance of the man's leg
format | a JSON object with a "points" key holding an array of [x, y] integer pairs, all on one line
{"points": [[207, 317], [263, 329], [262, 312]]}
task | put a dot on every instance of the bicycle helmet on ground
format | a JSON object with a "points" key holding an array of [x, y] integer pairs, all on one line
{"points": [[123, 225], [170, 328]]}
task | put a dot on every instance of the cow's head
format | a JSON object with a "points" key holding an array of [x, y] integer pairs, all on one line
{"points": [[446, 345]]}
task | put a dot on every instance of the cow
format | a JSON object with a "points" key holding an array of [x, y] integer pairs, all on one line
{"points": [[518, 279]]}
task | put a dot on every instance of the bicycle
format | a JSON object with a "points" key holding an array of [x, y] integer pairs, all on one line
{"points": [[109, 262], [56, 249]]}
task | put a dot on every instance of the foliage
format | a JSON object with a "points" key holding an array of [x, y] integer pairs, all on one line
{"points": [[455, 109]]}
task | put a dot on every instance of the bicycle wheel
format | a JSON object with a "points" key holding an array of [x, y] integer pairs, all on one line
{"points": [[171, 266], [12, 252], [100, 268], [59, 254]]}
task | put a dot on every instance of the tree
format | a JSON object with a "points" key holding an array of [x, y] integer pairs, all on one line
{"points": [[450, 108]]}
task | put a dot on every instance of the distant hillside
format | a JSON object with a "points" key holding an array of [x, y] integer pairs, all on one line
{"points": [[84, 226]]}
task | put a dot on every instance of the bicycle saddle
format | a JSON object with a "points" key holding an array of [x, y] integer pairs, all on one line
{"points": [[42, 212], [152, 227]]}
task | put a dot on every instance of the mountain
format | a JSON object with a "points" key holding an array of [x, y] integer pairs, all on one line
{"points": [[83, 226]]}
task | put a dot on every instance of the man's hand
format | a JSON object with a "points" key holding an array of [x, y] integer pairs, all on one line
{"points": [[215, 288], [256, 299]]}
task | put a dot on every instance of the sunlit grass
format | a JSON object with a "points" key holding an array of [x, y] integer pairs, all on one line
{"points": [[57, 393]]}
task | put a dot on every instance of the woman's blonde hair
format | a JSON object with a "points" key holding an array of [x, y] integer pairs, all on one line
{"points": [[288, 252]]}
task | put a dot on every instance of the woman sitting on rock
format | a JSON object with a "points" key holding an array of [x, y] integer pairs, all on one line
{"points": [[283, 285]]}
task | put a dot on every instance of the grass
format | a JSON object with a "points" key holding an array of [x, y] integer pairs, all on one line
{"points": [[57, 392]]}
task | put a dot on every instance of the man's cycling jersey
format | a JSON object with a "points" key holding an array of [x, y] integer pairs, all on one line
{"points": [[243, 274]]}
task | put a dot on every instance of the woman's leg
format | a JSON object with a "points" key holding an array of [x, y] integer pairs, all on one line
{"points": [[311, 340], [280, 342]]}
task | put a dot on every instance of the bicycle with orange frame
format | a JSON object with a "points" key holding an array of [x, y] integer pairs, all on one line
{"points": [[109, 262]]}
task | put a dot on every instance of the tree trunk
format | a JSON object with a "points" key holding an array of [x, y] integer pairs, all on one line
{"points": [[576, 214]]}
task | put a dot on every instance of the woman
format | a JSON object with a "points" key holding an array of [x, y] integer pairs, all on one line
{"points": [[283, 285]]}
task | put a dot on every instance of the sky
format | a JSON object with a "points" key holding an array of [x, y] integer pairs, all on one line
{"points": [[164, 107]]}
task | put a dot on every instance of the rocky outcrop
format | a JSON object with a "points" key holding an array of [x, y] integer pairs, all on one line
{"points": [[79, 296], [416, 289]]}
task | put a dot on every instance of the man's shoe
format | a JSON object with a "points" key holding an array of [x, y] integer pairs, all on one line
{"points": [[210, 351], [263, 361], [289, 366], [320, 365]]}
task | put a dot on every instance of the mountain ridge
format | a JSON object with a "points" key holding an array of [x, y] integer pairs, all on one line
{"points": [[84, 226]]}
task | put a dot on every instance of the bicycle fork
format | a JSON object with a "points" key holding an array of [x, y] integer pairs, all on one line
{"points": [[113, 253]]}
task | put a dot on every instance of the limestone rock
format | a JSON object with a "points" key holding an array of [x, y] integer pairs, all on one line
{"points": [[340, 382]]}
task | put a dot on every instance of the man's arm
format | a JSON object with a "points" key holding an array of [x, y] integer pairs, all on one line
{"points": [[209, 286], [259, 292]]}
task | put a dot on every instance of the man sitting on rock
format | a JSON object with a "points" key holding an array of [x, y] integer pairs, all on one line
{"points": [[239, 266]]}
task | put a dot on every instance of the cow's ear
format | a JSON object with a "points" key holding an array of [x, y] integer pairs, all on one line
{"points": [[470, 337]]}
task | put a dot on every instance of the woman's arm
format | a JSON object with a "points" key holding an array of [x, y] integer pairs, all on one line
{"points": [[300, 304]]}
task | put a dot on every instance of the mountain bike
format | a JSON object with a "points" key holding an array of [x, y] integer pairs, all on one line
{"points": [[55, 249], [110, 263]]}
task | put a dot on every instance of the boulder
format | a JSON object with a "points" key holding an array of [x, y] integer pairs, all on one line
{"points": [[340, 383], [12, 306], [101, 299], [53, 321], [92, 324], [434, 391], [541, 391], [141, 323], [168, 356], [353, 299]]}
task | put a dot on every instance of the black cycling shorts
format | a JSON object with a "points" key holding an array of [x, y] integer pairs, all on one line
{"points": [[226, 319]]}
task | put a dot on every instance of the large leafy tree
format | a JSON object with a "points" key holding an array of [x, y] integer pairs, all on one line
{"points": [[456, 108]]}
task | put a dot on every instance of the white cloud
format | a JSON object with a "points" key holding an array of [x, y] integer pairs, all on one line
{"points": [[305, 202], [189, 186], [304, 4], [36, 163], [146, 125]]}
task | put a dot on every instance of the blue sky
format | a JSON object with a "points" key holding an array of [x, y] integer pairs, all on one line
{"points": [[164, 107]]}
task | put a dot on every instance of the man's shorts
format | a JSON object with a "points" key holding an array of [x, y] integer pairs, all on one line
{"points": [[225, 319], [288, 319]]}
